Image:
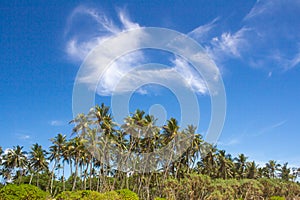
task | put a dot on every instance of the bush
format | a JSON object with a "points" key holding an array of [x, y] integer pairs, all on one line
{"points": [[69, 195], [251, 189], [277, 198], [88, 195], [159, 198], [22, 192], [126, 194]]}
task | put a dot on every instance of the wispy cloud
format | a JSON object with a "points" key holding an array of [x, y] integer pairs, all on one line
{"points": [[229, 44], [271, 127], [261, 7], [230, 142], [202, 32], [56, 123], [23, 136], [125, 67], [268, 37]]}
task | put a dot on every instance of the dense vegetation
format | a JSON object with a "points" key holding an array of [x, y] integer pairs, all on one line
{"points": [[111, 159]]}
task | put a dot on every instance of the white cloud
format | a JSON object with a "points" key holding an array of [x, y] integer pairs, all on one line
{"points": [[201, 33], [127, 23], [275, 37], [125, 67], [261, 7], [56, 123], [23, 136], [7, 150], [271, 127], [193, 79], [295, 61], [268, 37], [230, 44], [230, 142]]}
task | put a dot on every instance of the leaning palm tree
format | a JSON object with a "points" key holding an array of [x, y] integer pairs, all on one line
{"points": [[38, 160]]}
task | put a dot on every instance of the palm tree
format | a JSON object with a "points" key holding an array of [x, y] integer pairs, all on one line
{"points": [[197, 142], [170, 131], [251, 170], [208, 164], [82, 125], [38, 160], [272, 167], [1, 152], [15, 160], [225, 165], [241, 165], [285, 172], [77, 151], [56, 152]]}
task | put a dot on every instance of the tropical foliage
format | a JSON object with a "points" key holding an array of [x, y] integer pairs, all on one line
{"points": [[138, 157]]}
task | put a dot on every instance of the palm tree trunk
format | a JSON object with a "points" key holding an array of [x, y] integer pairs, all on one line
{"points": [[31, 177], [37, 179], [75, 175], [52, 177], [85, 176], [63, 177], [90, 177]]}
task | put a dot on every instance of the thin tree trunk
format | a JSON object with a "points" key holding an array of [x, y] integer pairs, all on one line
{"points": [[90, 176], [85, 176], [52, 177], [63, 177], [31, 177], [75, 176], [37, 180]]}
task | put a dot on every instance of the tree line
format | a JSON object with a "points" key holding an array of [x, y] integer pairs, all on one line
{"points": [[102, 155]]}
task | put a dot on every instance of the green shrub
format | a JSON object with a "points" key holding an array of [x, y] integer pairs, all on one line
{"points": [[68, 195], [250, 189], [88, 195], [112, 195], [277, 198], [126, 194], [22, 192], [159, 198]]}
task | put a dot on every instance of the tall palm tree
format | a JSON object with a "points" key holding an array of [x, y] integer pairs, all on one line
{"points": [[196, 146], [285, 172], [56, 152], [209, 162], [225, 165], [77, 151], [272, 167], [251, 170], [170, 131], [241, 165], [38, 160]]}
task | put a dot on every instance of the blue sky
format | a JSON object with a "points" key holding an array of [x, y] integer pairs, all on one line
{"points": [[255, 44]]}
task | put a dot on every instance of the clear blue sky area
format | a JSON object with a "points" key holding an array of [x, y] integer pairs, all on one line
{"points": [[255, 44]]}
